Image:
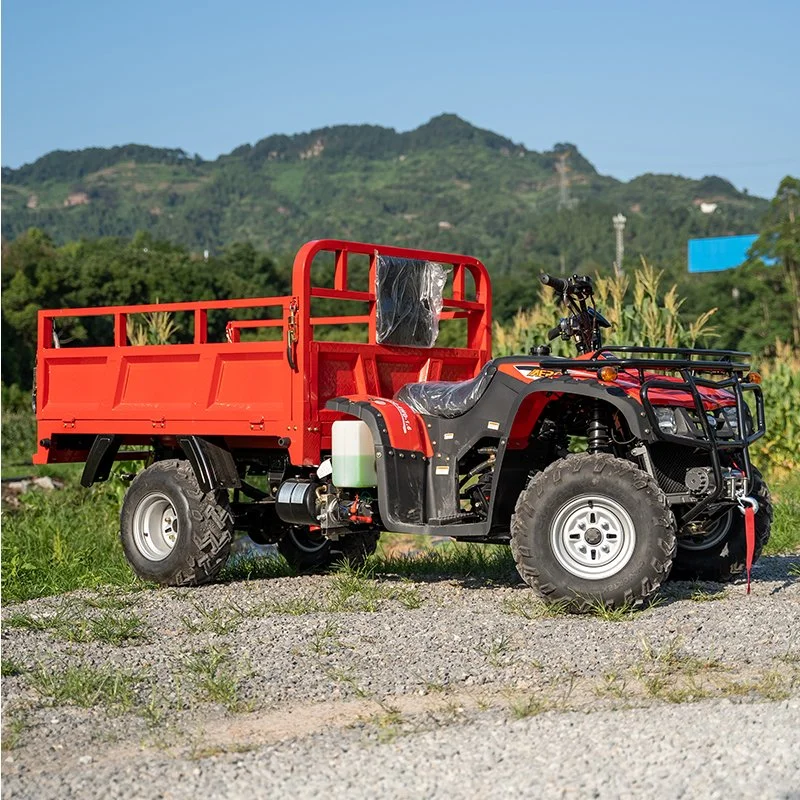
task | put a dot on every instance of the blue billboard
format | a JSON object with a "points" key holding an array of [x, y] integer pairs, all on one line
{"points": [[720, 252]]}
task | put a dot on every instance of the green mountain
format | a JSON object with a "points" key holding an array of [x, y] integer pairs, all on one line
{"points": [[445, 185]]}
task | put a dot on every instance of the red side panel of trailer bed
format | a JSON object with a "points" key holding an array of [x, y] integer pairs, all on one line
{"points": [[253, 393]]}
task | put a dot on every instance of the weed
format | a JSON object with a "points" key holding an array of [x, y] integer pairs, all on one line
{"points": [[220, 621], [10, 668], [497, 648], [609, 613], [296, 606], [613, 685], [254, 567], [86, 686], [531, 607], [107, 602], [16, 723], [324, 638], [348, 678], [109, 628], [214, 677], [64, 540], [702, 595], [353, 589], [528, 706], [27, 621], [389, 723], [115, 630], [794, 569], [490, 562], [409, 597]]}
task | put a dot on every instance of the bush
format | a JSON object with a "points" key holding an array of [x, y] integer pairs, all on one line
{"points": [[19, 427]]}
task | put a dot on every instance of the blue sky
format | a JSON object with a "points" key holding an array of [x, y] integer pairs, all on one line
{"points": [[691, 88]]}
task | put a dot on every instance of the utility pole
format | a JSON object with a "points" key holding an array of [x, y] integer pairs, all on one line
{"points": [[619, 227]]}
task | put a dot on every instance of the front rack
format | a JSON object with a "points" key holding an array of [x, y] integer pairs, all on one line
{"points": [[672, 359], [689, 363]]}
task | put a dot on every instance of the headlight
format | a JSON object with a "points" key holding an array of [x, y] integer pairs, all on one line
{"points": [[666, 420], [731, 419]]}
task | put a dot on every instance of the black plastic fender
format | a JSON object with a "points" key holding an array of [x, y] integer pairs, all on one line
{"points": [[213, 464], [100, 459]]}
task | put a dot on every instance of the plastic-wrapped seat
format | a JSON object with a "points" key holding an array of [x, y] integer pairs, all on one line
{"points": [[446, 398]]}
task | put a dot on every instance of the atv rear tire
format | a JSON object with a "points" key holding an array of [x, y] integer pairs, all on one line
{"points": [[308, 551], [592, 529], [721, 554], [172, 532]]}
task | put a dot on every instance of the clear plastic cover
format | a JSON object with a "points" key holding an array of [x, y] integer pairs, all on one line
{"points": [[444, 398], [409, 296]]}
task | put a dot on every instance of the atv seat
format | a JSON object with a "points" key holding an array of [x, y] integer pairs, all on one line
{"points": [[446, 398]]}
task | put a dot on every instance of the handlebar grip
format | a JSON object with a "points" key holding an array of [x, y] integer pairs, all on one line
{"points": [[553, 333], [559, 284]]}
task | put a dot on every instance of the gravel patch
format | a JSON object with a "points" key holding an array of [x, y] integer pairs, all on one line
{"points": [[334, 685]]}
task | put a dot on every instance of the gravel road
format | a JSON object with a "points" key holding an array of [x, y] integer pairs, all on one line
{"points": [[340, 686]]}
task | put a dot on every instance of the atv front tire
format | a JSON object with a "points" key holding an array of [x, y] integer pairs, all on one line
{"points": [[592, 529], [720, 555]]}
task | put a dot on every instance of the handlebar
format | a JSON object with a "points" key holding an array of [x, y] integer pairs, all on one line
{"points": [[576, 286], [559, 284]]}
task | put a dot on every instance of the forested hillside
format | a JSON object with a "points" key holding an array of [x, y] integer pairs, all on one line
{"points": [[446, 184]]}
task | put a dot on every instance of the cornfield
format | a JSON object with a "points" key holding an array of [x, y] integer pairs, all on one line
{"points": [[649, 318]]}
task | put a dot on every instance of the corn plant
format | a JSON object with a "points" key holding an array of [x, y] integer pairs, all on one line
{"points": [[155, 327], [639, 313], [779, 450]]}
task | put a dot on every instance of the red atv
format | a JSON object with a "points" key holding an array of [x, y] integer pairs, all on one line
{"points": [[318, 445]]}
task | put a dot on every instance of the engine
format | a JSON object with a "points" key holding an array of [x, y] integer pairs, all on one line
{"points": [[310, 501]]}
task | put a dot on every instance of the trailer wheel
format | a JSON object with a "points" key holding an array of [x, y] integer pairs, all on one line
{"points": [[172, 532], [720, 554], [309, 551], [593, 529]]}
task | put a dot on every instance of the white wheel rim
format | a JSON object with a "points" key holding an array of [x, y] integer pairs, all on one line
{"points": [[592, 537], [155, 526], [718, 532]]}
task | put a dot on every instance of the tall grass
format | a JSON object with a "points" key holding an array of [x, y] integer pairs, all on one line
{"points": [[62, 540]]}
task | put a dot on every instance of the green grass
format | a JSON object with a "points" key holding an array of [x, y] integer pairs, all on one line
{"points": [[68, 539], [86, 686], [215, 677], [785, 537], [62, 540], [69, 624], [9, 668], [220, 621], [456, 559]]}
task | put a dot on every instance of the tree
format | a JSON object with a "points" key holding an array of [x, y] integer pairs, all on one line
{"points": [[780, 239]]}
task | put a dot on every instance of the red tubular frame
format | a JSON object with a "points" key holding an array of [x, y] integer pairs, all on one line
{"points": [[126, 390]]}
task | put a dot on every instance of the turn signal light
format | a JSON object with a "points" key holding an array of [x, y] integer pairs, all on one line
{"points": [[753, 377], [610, 373]]}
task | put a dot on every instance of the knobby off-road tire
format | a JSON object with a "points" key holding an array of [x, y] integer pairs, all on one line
{"points": [[309, 551], [721, 554], [593, 529], [172, 532]]}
